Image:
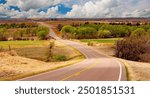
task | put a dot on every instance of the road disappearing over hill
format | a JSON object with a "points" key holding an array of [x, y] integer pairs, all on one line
{"points": [[96, 66]]}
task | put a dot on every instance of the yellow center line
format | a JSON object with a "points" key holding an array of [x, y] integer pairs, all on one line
{"points": [[81, 71]]}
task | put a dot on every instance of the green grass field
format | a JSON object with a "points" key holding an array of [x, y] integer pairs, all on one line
{"points": [[18, 44], [30, 49], [106, 40]]}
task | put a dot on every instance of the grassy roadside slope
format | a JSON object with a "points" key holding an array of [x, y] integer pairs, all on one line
{"points": [[137, 71], [27, 49], [16, 67]]}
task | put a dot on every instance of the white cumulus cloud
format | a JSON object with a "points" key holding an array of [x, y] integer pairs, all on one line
{"points": [[79, 8], [33, 4], [31, 13], [100, 8], [110, 8]]}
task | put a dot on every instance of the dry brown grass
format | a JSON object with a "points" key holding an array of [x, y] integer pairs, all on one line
{"points": [[137, 71], [103, 48], [27, 49], [16, 67], [69, 52]]}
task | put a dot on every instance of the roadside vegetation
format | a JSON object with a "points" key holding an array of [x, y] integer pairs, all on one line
{"points": [[136, 47], [129, 42], [32, 41], [43, 50], [18, 65], [124, 40], [132, 41], [26, 58], [105, 40]]}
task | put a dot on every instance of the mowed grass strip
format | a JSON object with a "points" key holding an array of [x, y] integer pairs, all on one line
{"points": [[106, 40]]}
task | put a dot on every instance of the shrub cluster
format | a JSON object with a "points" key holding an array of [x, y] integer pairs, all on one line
{"points": [[104, 33], [68, 31], [42, 32], [22, 34], [59, 58], [3, 35], [136, 47]]}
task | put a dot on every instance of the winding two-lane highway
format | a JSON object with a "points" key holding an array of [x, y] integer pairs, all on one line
{"points": [[96, 67]]}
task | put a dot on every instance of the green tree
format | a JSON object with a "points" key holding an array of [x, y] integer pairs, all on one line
{"points": [[138, 32], [116, 30], [145, 27], [95, 26], [121, 31], [68, 31], [104, 34], [134, 48], [86, 33], [3, 34], [42, 32]]}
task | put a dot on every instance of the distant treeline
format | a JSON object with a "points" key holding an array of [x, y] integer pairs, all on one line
{"points": [[101, 30], [22, 31], [18, 25]]}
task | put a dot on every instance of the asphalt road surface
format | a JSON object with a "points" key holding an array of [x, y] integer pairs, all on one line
{"points": [[96, 67]]}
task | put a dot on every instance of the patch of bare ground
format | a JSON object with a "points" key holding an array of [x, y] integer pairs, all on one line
{"points": [[103, 48], [106, 50]]}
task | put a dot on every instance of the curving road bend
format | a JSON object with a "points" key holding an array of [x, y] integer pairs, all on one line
{"points": [[96, 67]]}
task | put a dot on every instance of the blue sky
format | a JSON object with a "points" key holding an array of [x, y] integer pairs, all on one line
{"points": [[74, 8], [62, 9], [2, 1]]}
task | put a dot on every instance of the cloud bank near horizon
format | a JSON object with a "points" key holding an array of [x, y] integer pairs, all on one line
{"points": [[74, 8]]}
